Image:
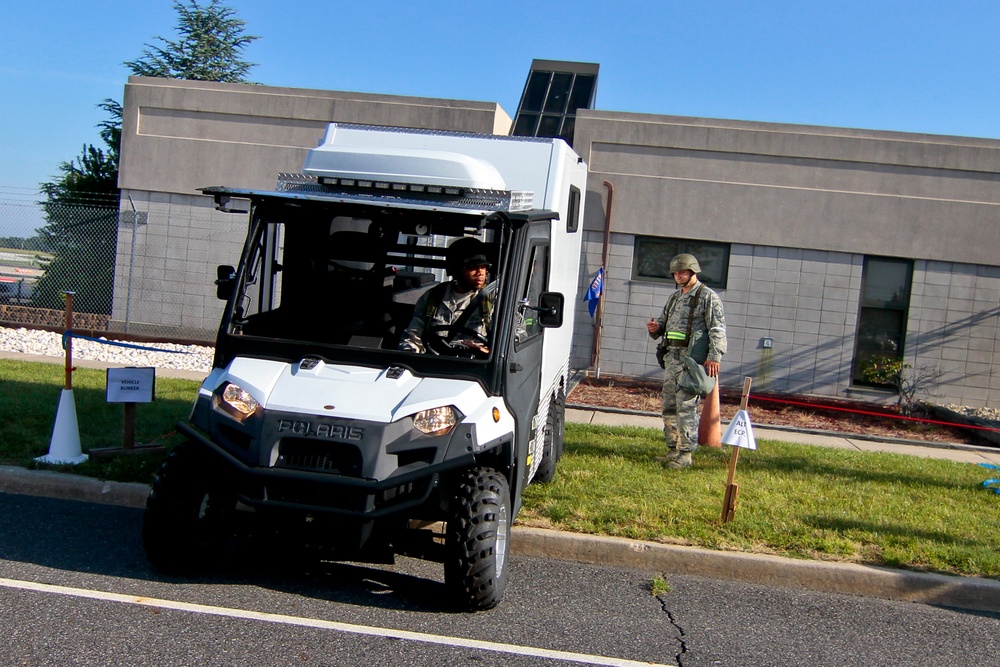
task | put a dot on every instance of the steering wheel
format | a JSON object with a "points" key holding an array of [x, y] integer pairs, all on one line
{"points": [[446, 345]]}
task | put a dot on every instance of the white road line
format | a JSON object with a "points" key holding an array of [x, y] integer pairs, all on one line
{"points": [[350, 628]]}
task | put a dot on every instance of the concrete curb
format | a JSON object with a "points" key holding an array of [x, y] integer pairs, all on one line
{"points": [[65, 486], [961, 592]]}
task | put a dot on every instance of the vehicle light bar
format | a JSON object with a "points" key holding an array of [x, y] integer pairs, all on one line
{"points": [[424, 193]]}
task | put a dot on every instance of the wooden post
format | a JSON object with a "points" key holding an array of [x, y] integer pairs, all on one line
{"points": [[134, 385], [732, 489], [68, 338], [128, 428]]}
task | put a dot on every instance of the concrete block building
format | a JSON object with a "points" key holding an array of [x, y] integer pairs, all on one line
{"points": [[828, 246]]}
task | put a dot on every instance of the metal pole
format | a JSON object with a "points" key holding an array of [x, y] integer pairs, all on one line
{"points": [[131, 265], [599, 319]]}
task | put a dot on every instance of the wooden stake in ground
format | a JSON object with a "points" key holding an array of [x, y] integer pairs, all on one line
{"points": [[710, 424], [739, 435], [68, 340]]}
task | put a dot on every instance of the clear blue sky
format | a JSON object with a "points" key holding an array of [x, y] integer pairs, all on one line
{"points": [[912, 66]]}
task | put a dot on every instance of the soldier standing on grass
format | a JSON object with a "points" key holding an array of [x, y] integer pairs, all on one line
{"points": [[692, 325]]}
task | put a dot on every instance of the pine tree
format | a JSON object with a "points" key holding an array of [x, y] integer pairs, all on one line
{"points": [[210, 47], [81, 206]]}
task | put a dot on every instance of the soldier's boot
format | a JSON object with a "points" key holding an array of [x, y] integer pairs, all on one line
{"points": [[683, 460], [671, 456]]}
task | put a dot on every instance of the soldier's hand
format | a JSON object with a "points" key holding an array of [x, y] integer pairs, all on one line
{"points": [[712, 368], [651, 326]]}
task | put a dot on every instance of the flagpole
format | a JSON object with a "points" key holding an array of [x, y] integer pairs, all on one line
{"points": [[599, 321]]}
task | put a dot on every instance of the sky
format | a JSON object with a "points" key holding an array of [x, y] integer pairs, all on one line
{"points": [[903, 65]]}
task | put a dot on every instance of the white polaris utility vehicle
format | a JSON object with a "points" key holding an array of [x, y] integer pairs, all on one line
{"points": [[314, 424]]}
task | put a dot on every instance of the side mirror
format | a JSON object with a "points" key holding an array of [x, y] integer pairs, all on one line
{"points": [[550, 309], [225, 279]]}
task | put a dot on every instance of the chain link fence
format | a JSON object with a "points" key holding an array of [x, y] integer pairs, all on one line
{"points": [[47, 249]]}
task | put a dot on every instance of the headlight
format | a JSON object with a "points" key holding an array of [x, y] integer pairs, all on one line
{"points": [[437, 421], [237, 402]]}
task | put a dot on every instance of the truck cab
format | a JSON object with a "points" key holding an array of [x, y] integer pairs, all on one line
{"points": [[318, 419]]}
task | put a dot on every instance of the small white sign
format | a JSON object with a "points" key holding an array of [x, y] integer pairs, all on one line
{"points": [[131, 385], [740, 432]]}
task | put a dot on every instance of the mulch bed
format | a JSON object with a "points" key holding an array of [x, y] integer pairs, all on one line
{"points": [[808, 412]]}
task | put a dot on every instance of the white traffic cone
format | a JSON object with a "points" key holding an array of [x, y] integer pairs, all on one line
{"points": [[64, 448]]}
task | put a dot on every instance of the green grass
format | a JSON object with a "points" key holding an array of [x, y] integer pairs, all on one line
{"points": [[794, 500], [29, 397]]}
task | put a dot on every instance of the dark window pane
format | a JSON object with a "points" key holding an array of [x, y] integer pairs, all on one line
{"points": [[887, 283], [573, 214], [652, 259], [529, 325], [525, 125], [549, 126], [558, 93], [534, 92], [880, 334], [885, 299], [569, 126], [713, 259], [582, 95]]}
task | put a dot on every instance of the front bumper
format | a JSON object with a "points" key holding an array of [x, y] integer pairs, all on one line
{"points": [[318, 477]]}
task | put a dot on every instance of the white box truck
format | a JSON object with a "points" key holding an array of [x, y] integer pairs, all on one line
{"points": [[314, 424]]}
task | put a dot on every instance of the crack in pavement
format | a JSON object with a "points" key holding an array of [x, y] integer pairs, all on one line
{"points": [[680, 631]]}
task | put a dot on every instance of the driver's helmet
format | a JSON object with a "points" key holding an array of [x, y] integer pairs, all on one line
{"points": [[464, 253], [685, 262]]}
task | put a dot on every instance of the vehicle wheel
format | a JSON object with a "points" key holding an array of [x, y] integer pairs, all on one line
{"points": [[475, 567], [187, 517], [552, 444]]}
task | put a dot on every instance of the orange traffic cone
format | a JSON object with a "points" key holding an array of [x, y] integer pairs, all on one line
{"points": [[710, 425]]}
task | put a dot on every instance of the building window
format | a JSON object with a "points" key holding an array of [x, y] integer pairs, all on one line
{"points": [[554, 92], [884, 305], [651, 259]]}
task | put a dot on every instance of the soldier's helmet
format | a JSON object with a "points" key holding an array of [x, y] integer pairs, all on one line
{"points": [[684, 261], [466, 252]]}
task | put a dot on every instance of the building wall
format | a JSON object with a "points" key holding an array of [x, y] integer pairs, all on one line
{"points": [[178, 136], [801, 207], [876, 193]]}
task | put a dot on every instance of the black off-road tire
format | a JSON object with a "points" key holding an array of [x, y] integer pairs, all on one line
{"points": [[188, 516], [552, 444], [476, 566]]}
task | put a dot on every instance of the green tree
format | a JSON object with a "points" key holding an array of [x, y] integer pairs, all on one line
{"points": [[210, 47], [81, 210], [81, 206]]}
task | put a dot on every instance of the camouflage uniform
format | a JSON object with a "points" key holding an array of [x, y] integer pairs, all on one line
{"points": [[442, 307], [707, 343]]}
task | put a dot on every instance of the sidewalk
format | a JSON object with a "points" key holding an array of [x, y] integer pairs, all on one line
{"points": [[938, 450], [845, 578]]}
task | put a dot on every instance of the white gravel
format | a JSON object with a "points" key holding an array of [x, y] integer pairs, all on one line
{"points": [[199, 358], [49, 344]]}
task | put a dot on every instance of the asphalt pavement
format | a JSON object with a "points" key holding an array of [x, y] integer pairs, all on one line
{"points": [[943, 590]]}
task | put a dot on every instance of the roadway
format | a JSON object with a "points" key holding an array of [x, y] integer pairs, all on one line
{"points": [[75, 589]]}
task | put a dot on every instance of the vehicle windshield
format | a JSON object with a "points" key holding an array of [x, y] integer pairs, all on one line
{"points": [[410, 281]]}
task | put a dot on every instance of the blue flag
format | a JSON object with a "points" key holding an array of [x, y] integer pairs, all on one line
{"points": [[593, 295]]}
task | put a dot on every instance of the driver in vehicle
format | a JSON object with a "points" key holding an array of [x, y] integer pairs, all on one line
{"points": [[458, 312]]}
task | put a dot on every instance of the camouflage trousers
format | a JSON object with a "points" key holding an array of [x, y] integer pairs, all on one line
{"points": [[680, 408]]}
